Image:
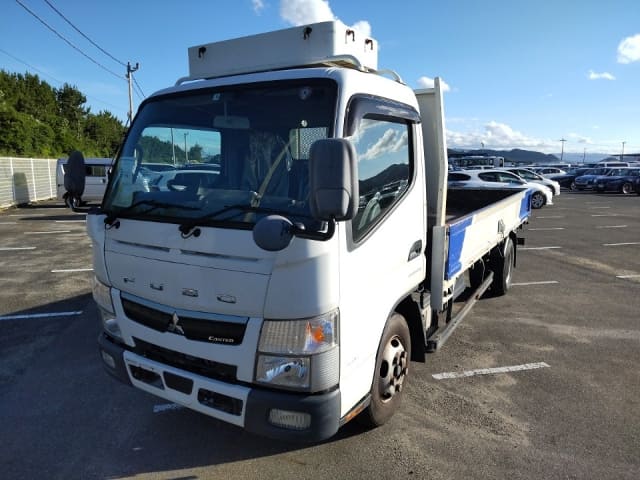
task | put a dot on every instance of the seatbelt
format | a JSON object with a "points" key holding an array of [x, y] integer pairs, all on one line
{"points": [[255, 201]]}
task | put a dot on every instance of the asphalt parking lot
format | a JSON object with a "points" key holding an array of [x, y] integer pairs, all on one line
{"points": [[573, 314]]}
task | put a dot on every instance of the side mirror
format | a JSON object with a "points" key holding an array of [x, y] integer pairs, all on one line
{"points": [[273, 233], [333, 179]]}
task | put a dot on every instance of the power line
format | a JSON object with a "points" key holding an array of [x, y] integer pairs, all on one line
{"points": [[78, 30], [67, 41], [135, 82]]}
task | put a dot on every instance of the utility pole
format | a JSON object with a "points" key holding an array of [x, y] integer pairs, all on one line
{"points": [[584, 155], [130, 71], [562, 152], [186, 154], [622, 154]]}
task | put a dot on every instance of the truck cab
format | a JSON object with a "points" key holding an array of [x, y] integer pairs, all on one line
{"points": [[262, 254]]}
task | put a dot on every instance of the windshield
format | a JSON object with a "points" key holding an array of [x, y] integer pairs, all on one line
{"points": [[225, 156]]}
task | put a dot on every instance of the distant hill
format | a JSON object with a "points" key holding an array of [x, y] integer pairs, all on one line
{"points": [[516, 155]]}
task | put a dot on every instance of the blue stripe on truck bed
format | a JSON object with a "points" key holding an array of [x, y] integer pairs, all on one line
{"points": [[525, 205], [457, 232]]}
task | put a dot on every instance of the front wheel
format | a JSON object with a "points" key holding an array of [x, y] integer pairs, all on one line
{"points": [[573, 186], [627, 188], [392, 367], [537, 200]]}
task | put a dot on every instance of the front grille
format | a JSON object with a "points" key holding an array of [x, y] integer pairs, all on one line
{"points": [[199, 366], [198, 329]]}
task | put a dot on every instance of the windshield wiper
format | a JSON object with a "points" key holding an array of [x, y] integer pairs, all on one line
{"points": [[187, 227], [112, 217]]}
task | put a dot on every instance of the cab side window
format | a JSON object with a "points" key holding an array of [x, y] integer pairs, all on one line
{"points": [[384, 169]]}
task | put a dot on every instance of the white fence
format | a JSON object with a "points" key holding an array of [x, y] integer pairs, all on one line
{"points": [[24, 180]]}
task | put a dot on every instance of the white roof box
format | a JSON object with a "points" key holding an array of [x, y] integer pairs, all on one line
{"points": [[292, 47]]}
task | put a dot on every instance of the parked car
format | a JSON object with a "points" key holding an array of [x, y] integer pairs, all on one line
{"points": [[568, 180], [531, 176], [549, 172], [541, 196], [618, 180], [95, 181], [587, 181]]}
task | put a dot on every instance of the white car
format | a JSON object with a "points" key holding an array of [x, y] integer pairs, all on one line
{"points": [[531, 176], [541, 196]]}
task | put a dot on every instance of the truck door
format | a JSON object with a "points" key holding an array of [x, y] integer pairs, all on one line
{"points": [[383, 252]]}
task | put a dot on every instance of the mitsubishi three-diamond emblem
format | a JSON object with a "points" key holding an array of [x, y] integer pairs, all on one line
{"points": [[173, 326]]}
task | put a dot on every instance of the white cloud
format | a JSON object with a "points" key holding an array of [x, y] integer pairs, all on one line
{"points": [[575, 137], [497, 135], [363, 27], [258, 6], [390, 141], [629, 49], [301, 12], [428, 82], [600, 76]]}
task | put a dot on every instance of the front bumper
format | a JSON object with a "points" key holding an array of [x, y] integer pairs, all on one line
{"points": [[240, 405]]}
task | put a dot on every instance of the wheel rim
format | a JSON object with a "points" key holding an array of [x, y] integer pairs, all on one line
{"points": [[508, 265], [573, 186], [626, 188], [537, 201], [393, 369]]}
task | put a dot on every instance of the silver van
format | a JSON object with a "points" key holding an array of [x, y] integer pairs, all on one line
{"points": [[96, 177]]}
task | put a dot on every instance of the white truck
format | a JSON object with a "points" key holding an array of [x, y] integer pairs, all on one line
{"points": [[277, 240]]}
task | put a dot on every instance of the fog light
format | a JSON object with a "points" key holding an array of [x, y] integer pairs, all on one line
{"points": [[108, 359], [289, 419], [112, 328]]}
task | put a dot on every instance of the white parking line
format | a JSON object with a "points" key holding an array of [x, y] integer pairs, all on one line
{"points": [[637, 275], [605, 215], [545, 228], [490, 371], [70, 270], [166, 406], [41, 315], [551, 216], [594, 208], [70, 221], [8, 223], [612, 226], [537, 248], [27, 215], [523, 284], [619, 244], [47, 232], [9, 249]]}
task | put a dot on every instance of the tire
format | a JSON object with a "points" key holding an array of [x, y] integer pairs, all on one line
{"points": [[392, 367], [627, 188], [573, 187], [537, 200], [503, 269]]}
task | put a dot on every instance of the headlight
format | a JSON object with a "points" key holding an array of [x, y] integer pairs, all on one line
{"points": [[102, 295], [299, 354]]}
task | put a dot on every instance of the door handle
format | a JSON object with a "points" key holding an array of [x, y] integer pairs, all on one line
{"points": [[415, 250]]}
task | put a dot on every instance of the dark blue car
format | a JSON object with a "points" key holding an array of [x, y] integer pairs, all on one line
{"points": [[588, 178], [618, 180]]}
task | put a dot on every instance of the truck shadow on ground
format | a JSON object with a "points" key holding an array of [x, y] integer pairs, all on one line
{"points": [[109, 430]]}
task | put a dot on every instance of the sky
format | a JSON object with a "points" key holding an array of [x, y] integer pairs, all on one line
{"points": [[518, 73]]}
